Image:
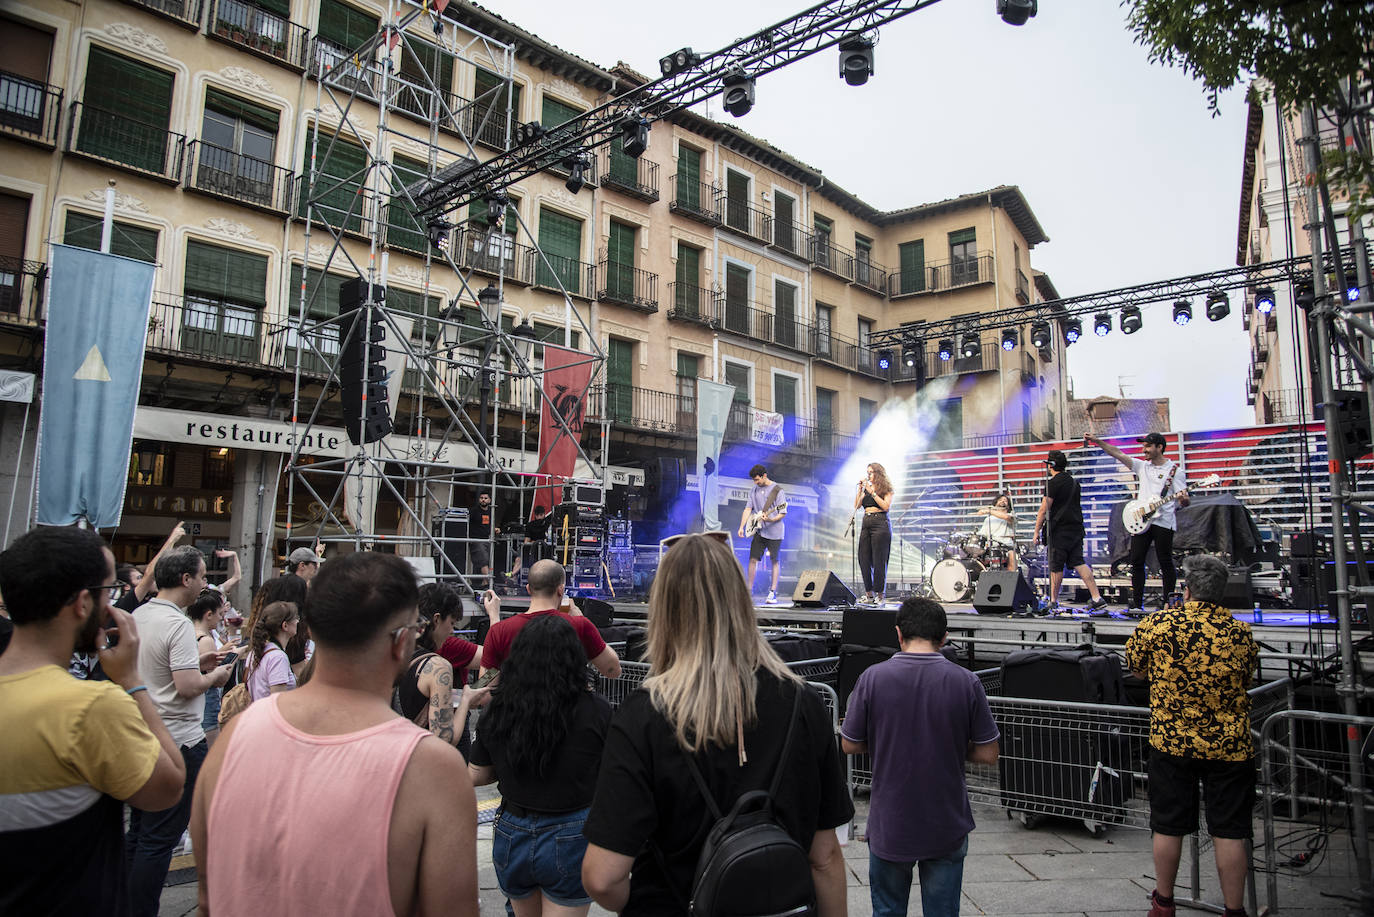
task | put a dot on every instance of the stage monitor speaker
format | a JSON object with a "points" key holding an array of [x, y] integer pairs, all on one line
{"points": [[1002, 592], [600, 613], [1240, 592], [869, 627], [820, 589]]}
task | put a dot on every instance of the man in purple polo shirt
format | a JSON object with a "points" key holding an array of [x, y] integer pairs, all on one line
{"points": [[920, 717]]}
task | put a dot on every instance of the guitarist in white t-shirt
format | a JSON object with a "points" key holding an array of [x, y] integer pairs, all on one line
{"points": [[1156, 477]]}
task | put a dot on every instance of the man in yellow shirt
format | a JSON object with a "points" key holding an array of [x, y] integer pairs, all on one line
{"points": [[74, 751]]}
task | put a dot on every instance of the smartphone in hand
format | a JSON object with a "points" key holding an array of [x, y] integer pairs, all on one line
{"points": [[230, 659], [487, 678]]}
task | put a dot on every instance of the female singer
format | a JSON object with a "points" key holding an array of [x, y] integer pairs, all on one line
{"points": [[875, 537], [999, 528]]}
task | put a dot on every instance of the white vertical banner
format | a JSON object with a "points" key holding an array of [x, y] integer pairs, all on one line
{"points": [[713, 410]]}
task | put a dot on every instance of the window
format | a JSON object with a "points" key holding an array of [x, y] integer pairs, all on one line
{"points": [[247, 22], [1025, 422], [554, 335], [322, 296], [687, 289], [225, 292], [737, 200], [14, 230], [238, 143], [488, 246], [125, 111], [688, 178], [620, 262], [740, 423], [83, 231], [555, 113], [560, 238], [738, 281], [338, 183], [863, 259], [825, 317], [784, 222], [821, 243], [911, 257], [963, 257], [785, 403], [341, 31], [26, 52], [865, 356], [868, 409], [949, 430], [688, 368], [785, 313], [619, 380], [490, 111], [423, 64], [424, 329], [404, 229], [825, 418]]}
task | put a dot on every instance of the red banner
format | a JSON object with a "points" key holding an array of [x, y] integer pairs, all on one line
{"points": [[567, 377]]}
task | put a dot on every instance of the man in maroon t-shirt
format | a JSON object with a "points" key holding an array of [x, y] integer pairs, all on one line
{"points": [[545, 586]]}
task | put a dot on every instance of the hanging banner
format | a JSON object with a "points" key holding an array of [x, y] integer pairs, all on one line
{"points": [[767, 428], [713, 410], [567, 377], [92, 366]]}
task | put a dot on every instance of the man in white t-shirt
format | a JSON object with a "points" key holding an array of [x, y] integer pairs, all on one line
{"points": [[1156, 476]]}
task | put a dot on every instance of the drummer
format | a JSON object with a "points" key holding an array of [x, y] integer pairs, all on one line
{"points": [[999, 528]]}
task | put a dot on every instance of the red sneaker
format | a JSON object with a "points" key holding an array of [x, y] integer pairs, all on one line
{"points": [[1157, 909]]}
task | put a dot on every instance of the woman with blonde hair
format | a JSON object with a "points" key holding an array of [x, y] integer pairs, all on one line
{"points": [[717, 699], [875, 535]]}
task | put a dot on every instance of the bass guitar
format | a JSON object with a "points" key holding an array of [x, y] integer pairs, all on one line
{"points": [[1138, 513], [755, 520]]}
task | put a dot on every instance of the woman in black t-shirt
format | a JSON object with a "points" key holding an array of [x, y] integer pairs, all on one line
{"points": [[717, 692], [541, 738]]}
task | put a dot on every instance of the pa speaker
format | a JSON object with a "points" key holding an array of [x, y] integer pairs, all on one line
{"points": [[820, 589], [1002, 592], [869, 627]]}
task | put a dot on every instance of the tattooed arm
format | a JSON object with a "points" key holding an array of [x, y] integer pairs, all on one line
{"points": [[440, 679]]}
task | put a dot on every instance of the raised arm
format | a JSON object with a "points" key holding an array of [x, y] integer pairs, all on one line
{"points": [[1111, 450], [235, 570], [145, 585]]}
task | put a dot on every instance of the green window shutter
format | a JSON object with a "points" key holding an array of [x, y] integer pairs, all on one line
{"points": [[738, 376], [403, 228], [83, 231], [737, 280], [339, 180], [737, 186], [912, 258], [688, 365], [863, 247], [689, 177], [477, 216], [621, 246], [488, 100], [126, 109], [555, 113], [688, 265], [281, 7], [962, 236], [561, 239], [257, 115], [624, 167], [226, 274], [785, 397], [344, 26], [322, 295], [824, 226], [784, 302], [784, 209], [421, 59], [553, 334]]}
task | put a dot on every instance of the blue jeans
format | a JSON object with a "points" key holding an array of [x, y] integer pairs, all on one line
{"points": [[541, 853], [153, 838], [941, 879]]}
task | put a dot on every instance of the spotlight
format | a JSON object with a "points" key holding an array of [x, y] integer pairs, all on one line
{"points": [[971, 346], [1040, 335], [1010, 339], [496, 208], [1352, 294], [1264, 300], [1183, 312], [1130, 320], [1102, 324], [739, 92], [1304, 296], [528, 132], [440, 232], [884, 360], [634, 135], [576, 165], [1016, 12], [946, 350], [856, 59], [1218, 305], [910, 353], [678, 61], [1073, 330]]}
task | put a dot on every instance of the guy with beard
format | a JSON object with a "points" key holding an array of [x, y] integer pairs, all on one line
{"points": [[74, 751]]}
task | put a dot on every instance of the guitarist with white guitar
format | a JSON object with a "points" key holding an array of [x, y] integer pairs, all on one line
{"points": [[762, 518], [1157, 477]]}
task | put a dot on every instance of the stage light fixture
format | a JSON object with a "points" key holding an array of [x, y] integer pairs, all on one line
{"points": [[1183, 312], [528, 132], [678, 61], [946, 350], [496, 208], [1264, 300], [634, 134], [884, 360], [576, 165], [1352, 294], [971, 346], [1218, 305], [739, 92], [1016, 12], [1130, 320], [440, 232], [1102, 324], [856, 59], [910, 353], [1010, 339], [1073, 330], [1040, 335]]}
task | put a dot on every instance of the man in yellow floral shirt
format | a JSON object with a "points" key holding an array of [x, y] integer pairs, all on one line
{"points": [[1199, 661]]}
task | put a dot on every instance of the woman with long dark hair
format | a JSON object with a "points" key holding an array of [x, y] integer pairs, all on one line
{"points": [[875, 535], [206, 613], [999, 528], [268, 671], [541, 738], [285, 588], [425, 688]]}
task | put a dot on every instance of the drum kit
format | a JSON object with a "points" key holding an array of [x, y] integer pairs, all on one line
{"points": [[964, 557]]}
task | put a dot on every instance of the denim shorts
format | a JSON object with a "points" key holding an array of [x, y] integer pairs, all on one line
{"points": [[210, 720], [541, 853]]}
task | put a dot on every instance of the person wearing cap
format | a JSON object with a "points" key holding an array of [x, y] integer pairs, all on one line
{"points": [[304, 562], [1062, 509], [1157, 477]]}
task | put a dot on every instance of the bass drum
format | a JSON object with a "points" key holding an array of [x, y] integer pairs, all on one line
{"points": [[952, 580]]}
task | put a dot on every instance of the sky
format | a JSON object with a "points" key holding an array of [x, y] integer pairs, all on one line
{"points": [[1128, 172]]}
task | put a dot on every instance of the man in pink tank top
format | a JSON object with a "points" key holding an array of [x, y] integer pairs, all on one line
{"points": [[321, 800]]}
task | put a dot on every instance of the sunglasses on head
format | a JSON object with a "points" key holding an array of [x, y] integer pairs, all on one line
{"points": [[722, 536]]}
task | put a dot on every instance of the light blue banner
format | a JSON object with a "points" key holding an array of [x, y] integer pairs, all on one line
{"points": [[92, 366], [713, 410]]}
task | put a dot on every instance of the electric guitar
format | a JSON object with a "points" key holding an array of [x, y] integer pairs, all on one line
{"points": [[1137, 514], [755, 520]]}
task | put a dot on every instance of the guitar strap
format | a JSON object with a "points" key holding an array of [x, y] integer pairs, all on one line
{"points": [[772, 498], [1168, 482]]}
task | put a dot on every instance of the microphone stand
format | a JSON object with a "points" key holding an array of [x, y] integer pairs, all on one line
{"points": [[901, 542]]}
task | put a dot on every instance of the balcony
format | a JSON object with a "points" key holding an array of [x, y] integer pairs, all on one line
{"points": [[820, 439], [21, 291], [843, 352], [937, 278], [643, 409], [627, 285], [738, 317], [743, 219], [29, 110], [214, 331], [259, 32], [552, 270], [1282, 406], [112, 137], [494, 253], [327, 58], [233, 176], [184, 12], [636, 177], [691, 303], [1022, 288], [906, 283], [868, 274], [986, 361], [695, 200], [787, 236], [830, 258], [792, 334], [340, 206]]}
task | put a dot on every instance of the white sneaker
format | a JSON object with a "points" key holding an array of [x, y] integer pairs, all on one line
{"points": [[772, 598]]}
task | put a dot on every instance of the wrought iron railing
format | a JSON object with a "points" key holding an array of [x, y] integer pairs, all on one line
{"points": [[961, 272], [843, 352], [689, 302], [21, 290], [831, 258], [327, 58], [694, 199], [258, 30], [906, 283], [216, 331], [821, 439], [791, 333], [867, 273], [117, 138], [231, 175], [1022, 287], [640, 408], [741, 217], [551, 270], [635, 177], [340, 205], [29, 108], [492, 253], [184, 11], [788, 236], [1284, 406], [627, 285]]}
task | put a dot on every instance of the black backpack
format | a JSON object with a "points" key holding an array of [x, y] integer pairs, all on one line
{"points": [[750, 866]]}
